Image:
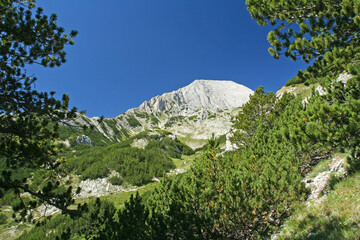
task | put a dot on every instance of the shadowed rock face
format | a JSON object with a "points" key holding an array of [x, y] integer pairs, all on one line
{"points": [[211, 95]]}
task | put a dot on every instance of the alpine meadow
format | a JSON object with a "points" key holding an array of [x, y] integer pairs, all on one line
{"points": [[211, 160]]}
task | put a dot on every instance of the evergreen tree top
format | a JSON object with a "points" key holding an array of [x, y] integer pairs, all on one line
{"points": [[323, 32]]}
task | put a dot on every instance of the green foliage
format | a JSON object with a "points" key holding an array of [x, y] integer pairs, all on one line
{"points": [[142, 135], [333, 119], [295, 80], [133, 221], [173, 120], [133, 122], [221, 140], [193, 118], [98, 139], [100, 220], [7, 198], [66, 132], [333, 180], [354, 162], [235, 198], [95, 170], [255, 111], [246, 194], [186, 150], [116, 180], [28, 118], [163, 132], [154, 120], [136, 166], [212, 116], [141, 114], [170, 147], [324, 33], [96, 222], [3, 219]]}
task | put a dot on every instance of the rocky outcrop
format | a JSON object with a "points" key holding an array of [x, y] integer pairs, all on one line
{"points": [[100, 187], [318, 183], [344, 77], [84, 139], [139, 143]]}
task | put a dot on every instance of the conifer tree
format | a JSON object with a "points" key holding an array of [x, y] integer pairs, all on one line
{"points": [[325, 33], [256, 110], [28, 118], [192, 205]]}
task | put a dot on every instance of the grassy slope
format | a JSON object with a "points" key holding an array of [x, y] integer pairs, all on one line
{"points": [[299, 89], [337, 217]]}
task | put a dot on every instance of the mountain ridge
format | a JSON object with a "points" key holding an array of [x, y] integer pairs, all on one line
{"points": [[200, 94], [192, 112]]}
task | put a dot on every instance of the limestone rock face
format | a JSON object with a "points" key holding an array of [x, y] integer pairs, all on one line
{"points": [[210, 95], [84, 139]]}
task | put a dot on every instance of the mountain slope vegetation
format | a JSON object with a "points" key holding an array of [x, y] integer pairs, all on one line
{"points": [[247, 193], [137, 166]]}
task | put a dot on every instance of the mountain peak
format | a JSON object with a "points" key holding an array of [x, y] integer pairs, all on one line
{"points": [[211, 95], [211, 80]]}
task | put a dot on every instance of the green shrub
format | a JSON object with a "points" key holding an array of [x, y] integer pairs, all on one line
{"points": [[295, 80], [133, 122], [96, 170], [173, 120], [136, 166], [154, 120], [354, 161], [211, 116], [8, 198], [3, 219], [193, 118], [141, 114], [186, 150], [116, 180]]}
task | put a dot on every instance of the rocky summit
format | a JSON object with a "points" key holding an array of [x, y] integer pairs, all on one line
{"points": [[210, 95]]}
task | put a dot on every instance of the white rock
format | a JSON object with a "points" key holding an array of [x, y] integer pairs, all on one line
{"points": [[47, 210], [212, 95], [229, 146], [100, 187], [139, 143], [344, 77], [84, 139], [320, 90], [318, 183]]}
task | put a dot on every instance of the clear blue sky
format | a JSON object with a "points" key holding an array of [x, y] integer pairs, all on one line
{"points": [[129, 51]]}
